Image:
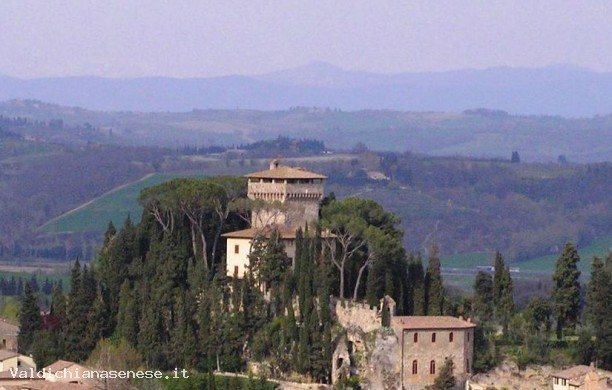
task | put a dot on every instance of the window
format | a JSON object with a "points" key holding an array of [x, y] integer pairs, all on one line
{"points": [[416, 337], [235, 270], [415, 368], [450, 337], [432, 367], [433, 337], [468, 335], [467, 366], [236, 249]]}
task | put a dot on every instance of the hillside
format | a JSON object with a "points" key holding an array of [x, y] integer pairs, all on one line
{"points": [[555, 90], [469, 207], [475, 133]]}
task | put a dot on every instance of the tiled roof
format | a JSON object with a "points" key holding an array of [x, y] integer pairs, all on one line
{"points": [[577, 374], [285, 232], [573, 372], [430, 322], [284, 172], [19, 374], [8, 329], [58, 366], [6, 354]]}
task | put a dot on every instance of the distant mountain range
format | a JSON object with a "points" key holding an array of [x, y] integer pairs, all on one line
{"points": [[556, 90]]}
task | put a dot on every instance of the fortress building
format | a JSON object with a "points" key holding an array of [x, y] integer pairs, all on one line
{"points": [[285, 199], [426, 341]]}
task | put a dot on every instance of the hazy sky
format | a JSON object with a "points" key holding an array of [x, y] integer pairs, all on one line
{"points": [[209, 38]]}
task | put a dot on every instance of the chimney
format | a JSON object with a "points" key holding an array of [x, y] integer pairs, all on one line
{"points": [[274, 164]]}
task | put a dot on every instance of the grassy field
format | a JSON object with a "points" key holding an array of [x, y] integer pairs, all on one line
{"points": [[600, 247], [114, 206]]}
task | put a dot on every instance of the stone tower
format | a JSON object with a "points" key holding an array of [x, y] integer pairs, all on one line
{"points": [[289, 196]]}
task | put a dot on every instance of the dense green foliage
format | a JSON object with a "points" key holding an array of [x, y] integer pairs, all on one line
{"points": [[29, 320], [566, 289], [599, 310]]}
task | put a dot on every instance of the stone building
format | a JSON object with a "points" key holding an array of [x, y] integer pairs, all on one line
{"points": [[8, 335], [285, 199], [582, 377], [426, 341]]}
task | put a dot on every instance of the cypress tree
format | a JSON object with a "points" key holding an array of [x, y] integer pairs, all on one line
{"points": [[505, 306], [127, 317], [497, 276], [599, 310], [482, 301], [417, 277], [76, 320], [566, 289], [30, 320], [434, 290], [58, 303]]}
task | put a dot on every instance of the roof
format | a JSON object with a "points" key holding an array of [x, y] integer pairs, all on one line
{"points": [[573, 372], [6, 354], [58, 366], [19, 374], [286, 233], [285, 172], [6, 328], [577, 374], [430, 322]]}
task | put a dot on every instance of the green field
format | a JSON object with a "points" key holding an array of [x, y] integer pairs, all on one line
{"points": [[599, 247], [114, 206]]}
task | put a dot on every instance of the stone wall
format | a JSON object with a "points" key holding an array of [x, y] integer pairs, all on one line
{"points": [[360, 315]]}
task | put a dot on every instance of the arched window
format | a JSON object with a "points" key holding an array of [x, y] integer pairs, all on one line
{"points": [[433, 337], [415, 368], [450, 337], [416, 337], [432, 367]]}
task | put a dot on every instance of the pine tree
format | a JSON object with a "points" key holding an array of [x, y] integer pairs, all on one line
{"points": [[29, 320], [566, 289]]}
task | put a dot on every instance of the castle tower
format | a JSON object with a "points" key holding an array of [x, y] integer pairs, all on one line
{"points": [[286, 198], [290, 196]]}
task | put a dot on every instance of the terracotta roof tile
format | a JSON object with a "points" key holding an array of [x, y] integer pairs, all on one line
{"points": [[430, 322], [6, 354], [285, 232], [58, 366], [573, 372], [284, 172]]}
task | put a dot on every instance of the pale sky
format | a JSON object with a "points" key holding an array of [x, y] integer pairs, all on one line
{"points": [[197, 38]]}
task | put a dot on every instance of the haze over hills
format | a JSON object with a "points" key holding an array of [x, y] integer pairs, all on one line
{"points": [[556, 90], [475, 133]]}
